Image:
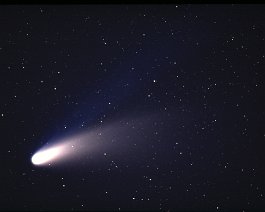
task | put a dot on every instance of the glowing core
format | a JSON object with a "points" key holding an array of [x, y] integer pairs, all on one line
{"points": [[46, 156]]}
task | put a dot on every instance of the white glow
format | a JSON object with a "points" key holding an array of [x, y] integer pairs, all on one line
{"points": [[46, 156]]}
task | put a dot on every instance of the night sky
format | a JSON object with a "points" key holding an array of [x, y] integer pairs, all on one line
{"points": [[171, 100]]}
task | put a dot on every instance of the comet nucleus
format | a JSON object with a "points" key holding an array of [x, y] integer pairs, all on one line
{"points": [[47, 155]]}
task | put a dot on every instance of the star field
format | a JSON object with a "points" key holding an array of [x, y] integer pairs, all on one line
{"points": [[174, 94]]}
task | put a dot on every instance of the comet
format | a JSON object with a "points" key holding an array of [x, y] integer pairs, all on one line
{"points": [[114, 139]]}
